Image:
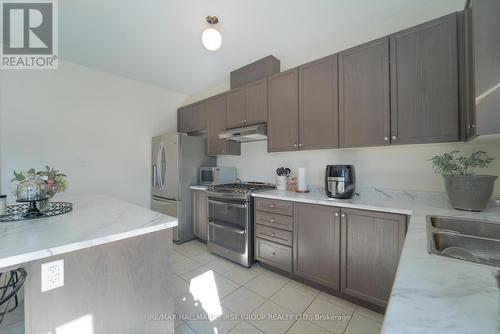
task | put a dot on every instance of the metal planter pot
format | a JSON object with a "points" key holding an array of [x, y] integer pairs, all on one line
{"points": [[469, 192]]}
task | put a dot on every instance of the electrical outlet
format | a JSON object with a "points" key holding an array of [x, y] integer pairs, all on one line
{"points": [[52, 275]]}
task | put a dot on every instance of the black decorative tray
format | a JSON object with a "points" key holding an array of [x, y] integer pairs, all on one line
{"points": [[18, 212]]}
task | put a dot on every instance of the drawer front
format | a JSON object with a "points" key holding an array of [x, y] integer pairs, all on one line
{"points": [[272, 220], [275, 206], [273, 234], [274, 254]]}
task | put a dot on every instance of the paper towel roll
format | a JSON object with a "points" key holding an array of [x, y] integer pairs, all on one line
{"points": [[301, 179]]}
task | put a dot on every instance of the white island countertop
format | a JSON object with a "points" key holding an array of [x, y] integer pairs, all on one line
{"points": [[95, 220], [431, 294]]}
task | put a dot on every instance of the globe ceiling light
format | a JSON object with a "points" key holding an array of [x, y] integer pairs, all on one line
{"points": [[211, 37]]}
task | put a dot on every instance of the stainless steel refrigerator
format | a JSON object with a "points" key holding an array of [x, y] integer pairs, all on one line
{"points": [[176, 159]]}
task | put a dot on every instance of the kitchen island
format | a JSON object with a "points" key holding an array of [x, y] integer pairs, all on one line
{"points": [[116, 268]]}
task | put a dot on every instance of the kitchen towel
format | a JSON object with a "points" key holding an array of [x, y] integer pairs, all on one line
{"points": [[301, 179]]}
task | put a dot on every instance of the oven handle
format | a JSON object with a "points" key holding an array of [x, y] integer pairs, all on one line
{"points": [[229, 204], [227, 228]]}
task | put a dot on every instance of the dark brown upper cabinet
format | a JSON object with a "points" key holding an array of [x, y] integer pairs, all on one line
{"points": [[192, 118], [216, 120], [283, 111], [371, 246], [318, 104], [424, 83], [482, 67], [236, 105], [247, 105], [316, 244], [364, 108], [256, 107]]}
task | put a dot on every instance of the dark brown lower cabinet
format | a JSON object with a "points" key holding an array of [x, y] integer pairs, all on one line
{"points": [[316, 243], [371, 245], [352, 251]]}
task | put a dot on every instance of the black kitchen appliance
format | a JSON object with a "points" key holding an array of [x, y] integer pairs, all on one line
{"points": [[340, 181]]}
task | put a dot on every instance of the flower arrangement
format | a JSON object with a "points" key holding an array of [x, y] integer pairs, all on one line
{"points": [[54, 180]]}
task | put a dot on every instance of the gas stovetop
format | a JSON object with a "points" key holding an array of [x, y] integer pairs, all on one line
{"points": [[243, 188]]}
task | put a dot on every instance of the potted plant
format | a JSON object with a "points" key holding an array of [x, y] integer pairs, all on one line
{"points": [[466, 189], [53, 182]]}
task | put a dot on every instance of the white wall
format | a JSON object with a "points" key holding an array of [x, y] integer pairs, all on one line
{"points": [[398, 167], [94, 126], [395, 167]]}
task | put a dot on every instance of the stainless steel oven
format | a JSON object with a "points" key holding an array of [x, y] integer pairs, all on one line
{"points": [[230, 220], [229, 230]]}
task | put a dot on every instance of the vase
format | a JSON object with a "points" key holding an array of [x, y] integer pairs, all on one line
{"points": [[469, 192]]}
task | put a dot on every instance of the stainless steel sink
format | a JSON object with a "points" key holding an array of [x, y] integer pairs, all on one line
{"points": [[477, 228], [469, 240]]}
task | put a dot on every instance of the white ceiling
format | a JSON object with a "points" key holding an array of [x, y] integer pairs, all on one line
{"points": [[159, 41]]}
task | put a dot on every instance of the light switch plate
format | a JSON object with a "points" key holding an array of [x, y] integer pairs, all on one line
{"points": [[52, 275]]}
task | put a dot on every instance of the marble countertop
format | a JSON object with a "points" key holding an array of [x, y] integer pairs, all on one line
{"points": [[196, 187], [431, 294], [95, 220]]}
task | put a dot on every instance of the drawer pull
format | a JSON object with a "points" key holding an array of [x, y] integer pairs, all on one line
{"points": [[272, 234], [272, 220], [273, 253], [271, 206]]}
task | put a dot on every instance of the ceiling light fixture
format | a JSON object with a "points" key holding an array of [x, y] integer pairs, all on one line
{"points": [[211, 37]]}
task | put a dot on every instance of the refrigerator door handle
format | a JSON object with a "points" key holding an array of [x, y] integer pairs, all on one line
{"points": [[154, 176], [163, 200], [161, 161], [158, 165]]}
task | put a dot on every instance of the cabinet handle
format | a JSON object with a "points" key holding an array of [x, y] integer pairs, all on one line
{"points": [[271, 220], [472, 126], [386, 138], [342, 215], [271, 206], [273, 253], [295, 145], [242, 121], [300, 144], [272, 234], [336, 214], [394, 137]]}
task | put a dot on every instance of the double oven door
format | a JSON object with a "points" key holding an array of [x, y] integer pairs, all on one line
{"points": [[229, 229]]}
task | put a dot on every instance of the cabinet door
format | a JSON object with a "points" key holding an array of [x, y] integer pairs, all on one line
{"points": [[256, 111], [216, 115], [199, 214], [316, 244], [424, 83], [485, 31], [236, 105], [183, 120], [318, 104], [371, 245], [192, 118], [364, 110], [283, 113]]}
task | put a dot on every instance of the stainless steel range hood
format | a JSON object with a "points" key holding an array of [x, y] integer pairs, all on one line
{"points": [[246, 134]]}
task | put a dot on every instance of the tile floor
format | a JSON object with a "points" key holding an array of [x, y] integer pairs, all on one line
{"points": [[214, 295]]}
